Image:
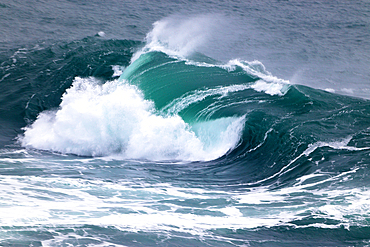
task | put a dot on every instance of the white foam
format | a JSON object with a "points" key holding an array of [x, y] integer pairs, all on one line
{"points": [[30, 201], [60, 239], [114, 119], [269, 88], [268, 83], [330, 90], [117, 70], [254, 68], [340, 144], [101, 34]]}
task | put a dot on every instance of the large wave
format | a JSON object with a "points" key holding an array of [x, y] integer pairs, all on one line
{"points": [[172, 103], [163, 106]]}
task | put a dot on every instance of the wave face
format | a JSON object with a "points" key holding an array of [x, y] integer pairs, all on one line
{"points": [[154, 143]]}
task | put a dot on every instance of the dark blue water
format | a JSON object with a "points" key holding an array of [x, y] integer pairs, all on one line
{"points": [[184, 123]]}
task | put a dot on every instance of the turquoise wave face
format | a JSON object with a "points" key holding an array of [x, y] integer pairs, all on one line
{"points": [[164, 79]]}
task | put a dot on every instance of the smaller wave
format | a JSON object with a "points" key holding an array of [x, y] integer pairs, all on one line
{"points": [[97, 119], [255, 68]]}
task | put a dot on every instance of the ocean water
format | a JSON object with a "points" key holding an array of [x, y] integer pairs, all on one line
{"points": [[184, 123]]}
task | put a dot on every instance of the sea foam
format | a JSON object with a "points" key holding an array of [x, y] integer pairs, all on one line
{"points": [[96, 119]]}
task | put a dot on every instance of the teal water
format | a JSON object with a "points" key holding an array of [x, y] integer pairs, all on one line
{"points": [[138, 127]]}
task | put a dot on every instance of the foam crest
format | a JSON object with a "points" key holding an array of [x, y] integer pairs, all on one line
{"points": [[270, 88], [97, 119], [268, 83], [340, 144]]}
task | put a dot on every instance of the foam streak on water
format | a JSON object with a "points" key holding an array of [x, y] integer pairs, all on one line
{"points": [[141, 206]]}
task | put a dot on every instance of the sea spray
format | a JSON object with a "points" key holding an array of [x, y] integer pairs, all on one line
{"points": [[181, 36]]}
